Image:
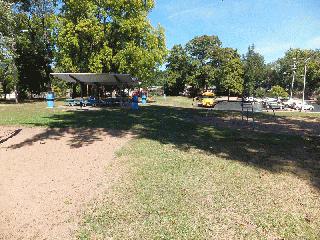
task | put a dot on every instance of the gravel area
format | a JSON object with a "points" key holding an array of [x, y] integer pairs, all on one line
{"points": [[48, 177]]}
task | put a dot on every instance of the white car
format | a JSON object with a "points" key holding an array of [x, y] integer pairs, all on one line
{"points": [[292, 103], [305, 106]]}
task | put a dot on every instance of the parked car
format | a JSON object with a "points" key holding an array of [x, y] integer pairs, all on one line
{"points": [[274, 105], [291, 103], [305, 106]]}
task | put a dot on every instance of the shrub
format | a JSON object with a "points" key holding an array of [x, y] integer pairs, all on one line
{"points": [[277, 91]]}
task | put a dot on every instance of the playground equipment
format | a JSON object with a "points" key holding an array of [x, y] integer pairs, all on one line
{"points": [[144, 99], [50, 100], [207, 100]]}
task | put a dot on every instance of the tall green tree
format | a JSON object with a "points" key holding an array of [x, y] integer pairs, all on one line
{"points": [[285, 70], [34, 43], [254, 70], [109, 36], [231, 75], [8, 76], [205, 53], [178, 69], [273, 76]]}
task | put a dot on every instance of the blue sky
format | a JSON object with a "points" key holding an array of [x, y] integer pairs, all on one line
{"points": [[272, 25]]}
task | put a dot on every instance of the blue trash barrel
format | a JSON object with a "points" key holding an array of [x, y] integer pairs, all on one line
{"points": [[50, 99], [135, 103], [144, 99]]}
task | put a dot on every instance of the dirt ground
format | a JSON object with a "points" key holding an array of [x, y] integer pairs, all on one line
{"points": [[48, 177]]}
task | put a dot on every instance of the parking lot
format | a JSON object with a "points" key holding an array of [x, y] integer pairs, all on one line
{"points": [[236, 106]]}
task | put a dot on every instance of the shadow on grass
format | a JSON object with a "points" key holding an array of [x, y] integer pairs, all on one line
{"points": [[177, 126]]}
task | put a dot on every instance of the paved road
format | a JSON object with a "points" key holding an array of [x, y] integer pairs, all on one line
{"points": [[236, 106]]}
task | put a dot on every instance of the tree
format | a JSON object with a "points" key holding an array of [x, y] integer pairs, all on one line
{"points": [[254, 70], [34, 43], [313, 76], [273, 76], [277, 91], [178, 66], [205, 54], [260, 92], [285, 66], [109, 36], [8, 76], [231, 78]]}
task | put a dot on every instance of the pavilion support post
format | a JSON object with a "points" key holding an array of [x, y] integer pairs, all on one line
{"points": [[74, 90], [98, 91], [81, 90], [121, 95], [94, 90], [87, 90]]}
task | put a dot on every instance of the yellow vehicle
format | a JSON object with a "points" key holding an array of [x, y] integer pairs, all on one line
{"points": [[206, 100]]}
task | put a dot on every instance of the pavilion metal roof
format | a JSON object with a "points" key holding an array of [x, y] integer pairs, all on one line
{"points": [[110, 79]]}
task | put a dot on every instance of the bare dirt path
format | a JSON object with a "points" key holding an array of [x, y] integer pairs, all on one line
{"points": [[48, 176]]}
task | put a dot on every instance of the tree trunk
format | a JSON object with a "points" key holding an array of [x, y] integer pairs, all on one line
{"points": [[4, 88], [16, 94], [228, 95]]}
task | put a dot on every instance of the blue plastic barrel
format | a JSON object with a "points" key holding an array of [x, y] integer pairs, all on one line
{"points": [[50, 99], [144, 99]]}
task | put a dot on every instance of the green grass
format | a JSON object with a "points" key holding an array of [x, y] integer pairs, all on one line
{"points": [[28, 114], [175, 101], [175, 194], [185, 180]]}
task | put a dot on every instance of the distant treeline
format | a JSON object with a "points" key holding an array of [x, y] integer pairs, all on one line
{"points": [[203, 63]]}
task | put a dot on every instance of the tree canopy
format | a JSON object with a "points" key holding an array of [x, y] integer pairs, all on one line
{"points": [[284, 67], [178, 68], [8, 73], [205, 56], [204, 63], [231, 76], [78, 36], [254, 70], [109, 36]]}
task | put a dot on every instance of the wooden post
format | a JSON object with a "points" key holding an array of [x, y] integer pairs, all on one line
{"points": [[16, 93], [253, 121], [242, 111], [87, 90], [81, 90]]}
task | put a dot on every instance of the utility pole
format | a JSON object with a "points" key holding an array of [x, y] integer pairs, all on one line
{"points": [[304, 82], [294, 68]]}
